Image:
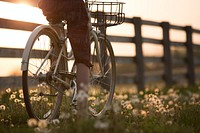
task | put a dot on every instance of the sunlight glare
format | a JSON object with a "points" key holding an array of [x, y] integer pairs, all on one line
{"points": [[22, 12]]}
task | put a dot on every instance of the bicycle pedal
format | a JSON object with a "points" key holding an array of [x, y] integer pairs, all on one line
{"points": [[74, 103]]}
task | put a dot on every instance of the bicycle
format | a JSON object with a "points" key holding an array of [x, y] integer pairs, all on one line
{"points": [[46, 73]]}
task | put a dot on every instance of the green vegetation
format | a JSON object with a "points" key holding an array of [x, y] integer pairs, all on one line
{"points": [[155, 110]]}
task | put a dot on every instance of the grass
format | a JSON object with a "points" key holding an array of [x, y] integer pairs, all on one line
{"points": [[154, 110]]}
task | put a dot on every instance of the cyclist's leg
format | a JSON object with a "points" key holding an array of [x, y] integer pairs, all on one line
{"points": [[81, 52], [79, 40], [78, 33]]}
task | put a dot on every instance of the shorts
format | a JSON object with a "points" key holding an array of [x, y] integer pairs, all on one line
{"points": [[75, 13], [78, 32]]}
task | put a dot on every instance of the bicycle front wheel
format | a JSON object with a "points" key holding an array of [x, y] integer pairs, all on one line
{"points": [[103, 76], [42, 94]]}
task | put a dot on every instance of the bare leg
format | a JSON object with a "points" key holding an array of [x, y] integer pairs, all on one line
{"points": [[82, 77], [82, 80]]}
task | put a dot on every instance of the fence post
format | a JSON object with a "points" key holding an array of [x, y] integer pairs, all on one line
{"points": [[139, 53], [167, 54], [190, 57]]}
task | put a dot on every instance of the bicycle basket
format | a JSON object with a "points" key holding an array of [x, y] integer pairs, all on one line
{"points": [[106, 13]]}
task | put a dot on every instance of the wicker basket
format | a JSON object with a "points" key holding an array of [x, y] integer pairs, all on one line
{"points": [[106, 13]]}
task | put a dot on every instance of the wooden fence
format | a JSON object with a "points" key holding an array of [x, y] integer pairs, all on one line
{"points": [[191, 60], [140, 76]]}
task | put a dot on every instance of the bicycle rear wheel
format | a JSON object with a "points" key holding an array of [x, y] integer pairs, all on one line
{"points": [[103, 76], [42, 94]]}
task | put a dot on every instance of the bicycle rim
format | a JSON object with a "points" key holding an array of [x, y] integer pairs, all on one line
{"points": [[42, 100], [102, 78]]}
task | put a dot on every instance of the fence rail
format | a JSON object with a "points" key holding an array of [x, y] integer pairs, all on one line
{"points": [[140, 76]]}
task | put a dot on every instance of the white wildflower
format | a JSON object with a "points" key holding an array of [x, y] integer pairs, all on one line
{"points": [[135, 112], [2, 107], [12, 96], [64, 115], [42, 123], [143, 113], [32, 122], [8, 90], [56, 121]]}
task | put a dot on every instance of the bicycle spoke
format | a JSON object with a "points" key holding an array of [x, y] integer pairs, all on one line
{"points": [[43, 94]]}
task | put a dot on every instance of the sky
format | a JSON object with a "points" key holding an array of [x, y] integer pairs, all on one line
{"points": [[180, 12], [177, 12]]}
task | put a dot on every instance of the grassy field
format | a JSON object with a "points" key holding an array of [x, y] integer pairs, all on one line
{"points": [[153, 110]]}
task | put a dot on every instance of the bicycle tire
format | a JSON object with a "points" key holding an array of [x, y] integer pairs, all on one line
{"points": [[42, 101], [102, 82]]}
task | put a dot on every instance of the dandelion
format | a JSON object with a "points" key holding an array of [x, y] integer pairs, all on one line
{"points": [[119, 97], [129, 107], [122, 102], [156, 91], [12, 96], [171, 90], [12, 125], [96, 102], [2, 120], [64, 115], [22, 104], [14, 92], [42, 123], [20, 91], [2, 107], [92, 104], [33, 98], [8, 90], [125, 96], [141, 93], [33, 91], [91, 98], [21, 96], [135, 112], [32, 122], [50, 104], [56, 121], [45, 99], [38, 98], [67, 93], [143, 113], [17, 100], [101, 101]]}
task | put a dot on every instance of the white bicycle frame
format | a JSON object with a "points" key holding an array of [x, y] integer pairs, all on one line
{"points": [[62, 37]]}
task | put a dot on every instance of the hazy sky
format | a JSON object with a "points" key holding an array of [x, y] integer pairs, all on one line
{"points": [[177, 12], [180, 12]]}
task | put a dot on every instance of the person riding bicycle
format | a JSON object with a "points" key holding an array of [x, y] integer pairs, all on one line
{"points": [[75, 13]]}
